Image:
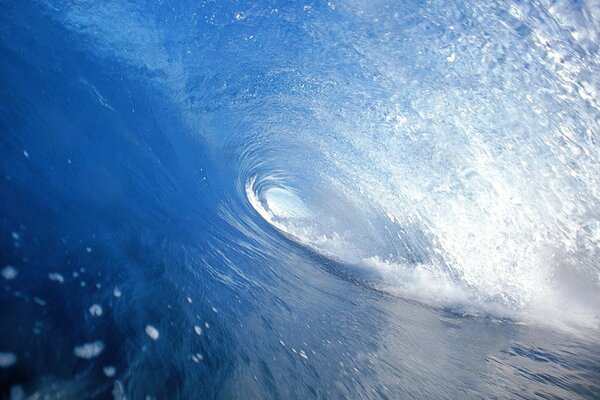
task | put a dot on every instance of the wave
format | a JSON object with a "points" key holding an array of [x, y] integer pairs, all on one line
{"points": [[527, 296], [453, 150], [299, 200]]}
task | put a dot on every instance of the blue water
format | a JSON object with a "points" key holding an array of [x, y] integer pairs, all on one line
{"points": [[344, 199]]}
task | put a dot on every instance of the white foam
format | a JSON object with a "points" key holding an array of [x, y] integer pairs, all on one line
{"points": [[96, 310], [422, 282], [109, 371], [152, 332], [89, 350], [56, 277], [9, 272]]}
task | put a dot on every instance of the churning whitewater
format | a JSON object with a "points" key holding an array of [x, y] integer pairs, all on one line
{"points": [[319, 199]]}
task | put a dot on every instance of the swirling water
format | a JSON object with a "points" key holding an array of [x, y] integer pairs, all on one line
{"points": [[343, 199]]}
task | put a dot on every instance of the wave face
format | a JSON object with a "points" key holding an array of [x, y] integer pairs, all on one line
{"points": [[318, 199]]}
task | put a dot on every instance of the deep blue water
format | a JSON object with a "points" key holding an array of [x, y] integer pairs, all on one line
{"points": [[353, 199]]}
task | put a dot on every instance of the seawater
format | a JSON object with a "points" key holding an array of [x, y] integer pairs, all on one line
{"points": [[320, 199]]}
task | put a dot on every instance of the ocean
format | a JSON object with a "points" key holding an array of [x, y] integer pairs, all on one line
{"points": [[294, 200]]}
